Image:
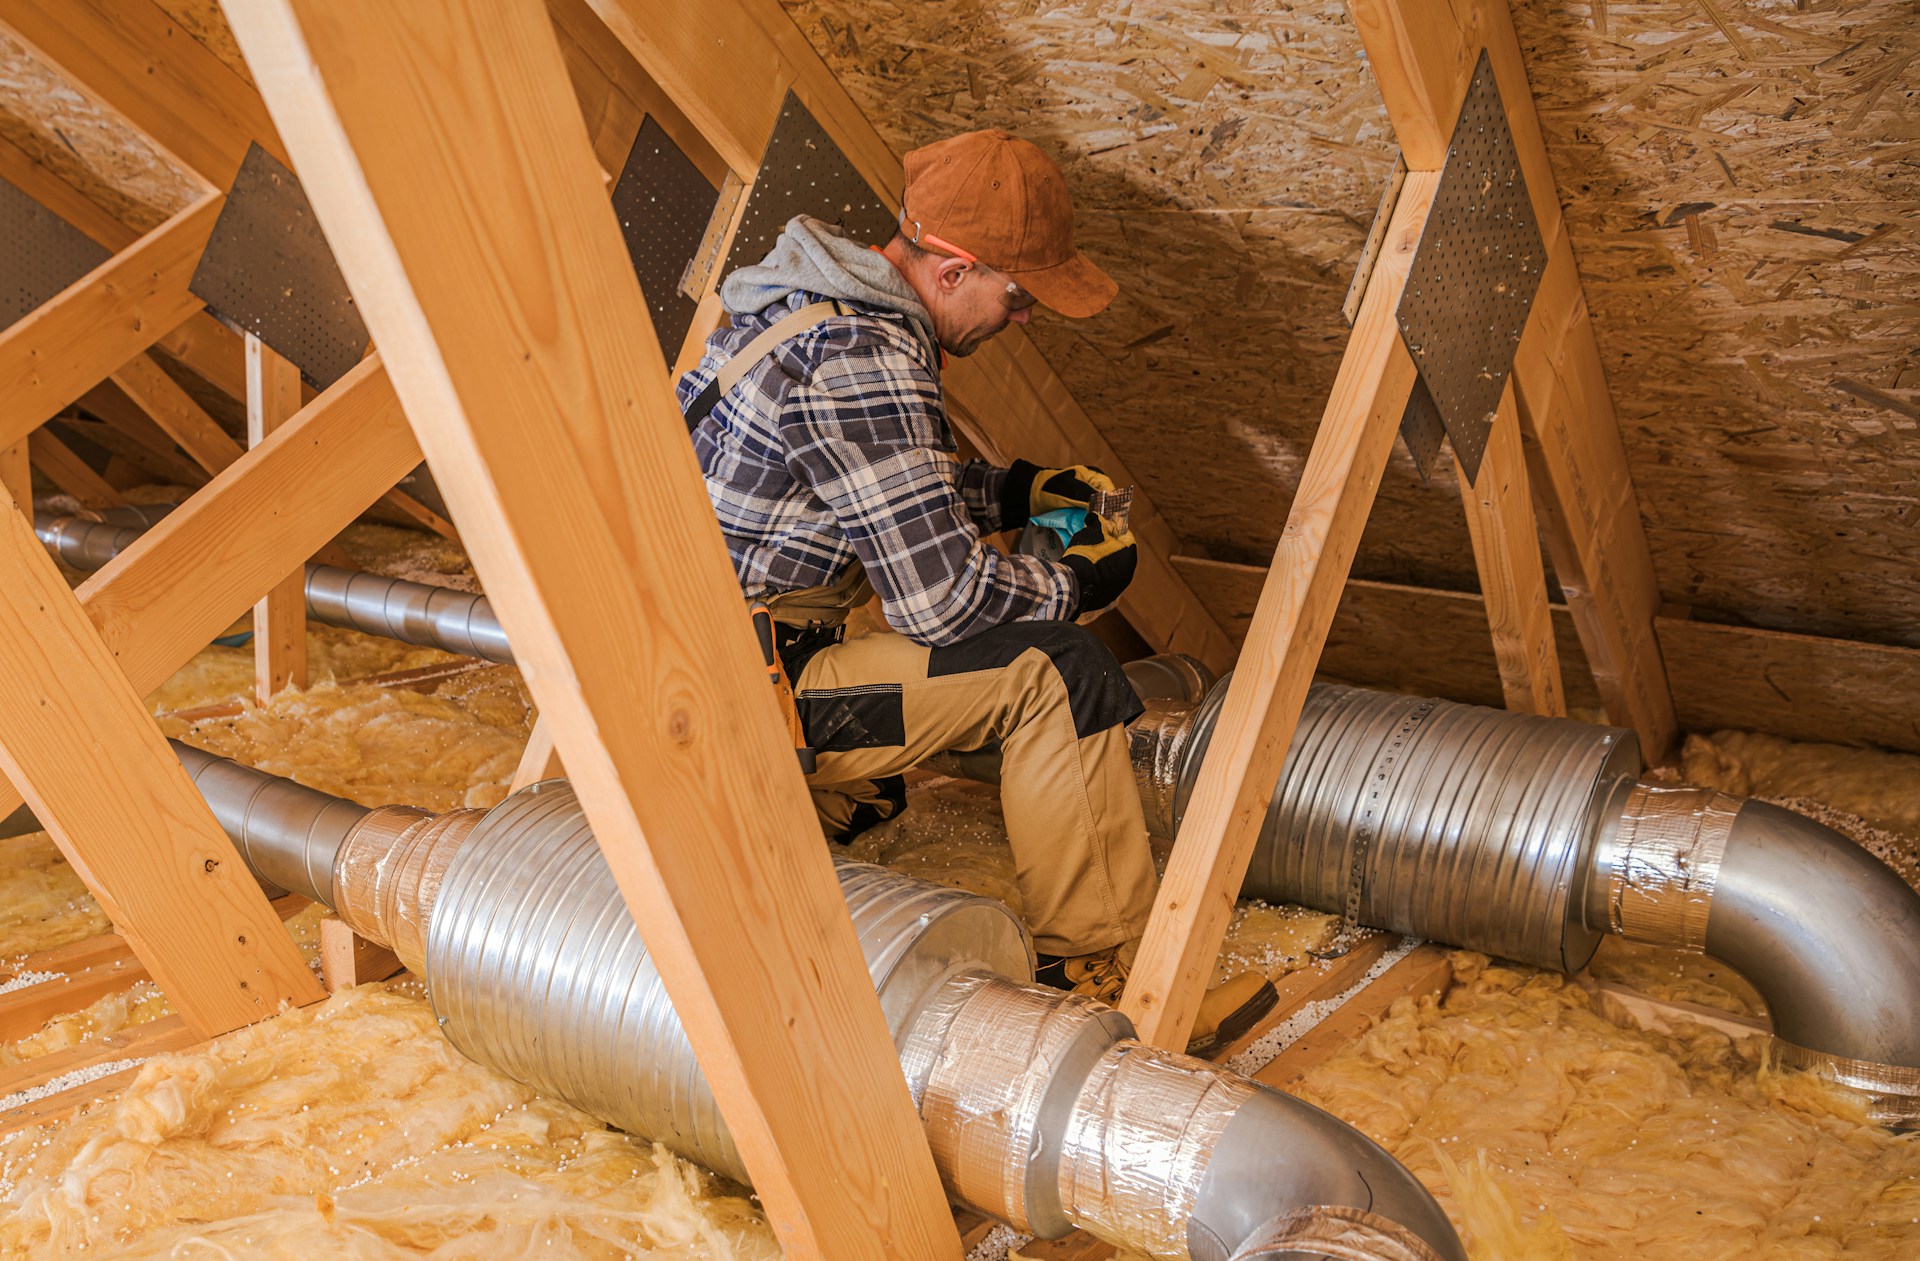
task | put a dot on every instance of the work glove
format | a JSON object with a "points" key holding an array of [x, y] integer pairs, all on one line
{"points": [[1103, 562], [1030, 491]]}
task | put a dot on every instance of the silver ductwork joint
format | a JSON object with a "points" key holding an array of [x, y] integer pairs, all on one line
{"points": [[290, 835]]}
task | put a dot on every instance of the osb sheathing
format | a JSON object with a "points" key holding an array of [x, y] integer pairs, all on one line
{"points": [[1740, 178]]}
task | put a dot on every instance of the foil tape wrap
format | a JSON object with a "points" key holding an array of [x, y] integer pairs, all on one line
{"points": [[1892, 1091], [1666, 860], [1138, 1143], [1157, 744], [995, 1065], [389, 872], [1336, 1232]]}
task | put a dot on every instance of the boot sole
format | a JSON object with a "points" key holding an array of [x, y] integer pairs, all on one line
{"points": [[1235, 1026]]}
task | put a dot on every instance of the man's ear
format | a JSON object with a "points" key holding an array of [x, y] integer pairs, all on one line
{"points": [[951, 272]]}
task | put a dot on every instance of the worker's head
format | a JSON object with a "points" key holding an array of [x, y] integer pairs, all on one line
{"points": [[987, 232]]}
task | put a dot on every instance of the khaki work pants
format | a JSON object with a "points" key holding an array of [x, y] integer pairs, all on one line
{"points": [[1053, 699]]}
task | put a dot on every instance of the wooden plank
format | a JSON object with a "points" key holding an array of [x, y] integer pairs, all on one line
{"points": [[215, 352], [136, 60], [105, 318], [540, 760], [420, 514], [156, 1037], [280, 617], [162, 465], [1319, 980], [16, 475], [189, 577], [1423, 56], [71, 473], [1004, 398], [1513, 583], [1278, 657], [450, 168], [173, 410], [125, 814], [1426, 970], [615, 94], [25, 1011], [110, 949], [348, 959]]}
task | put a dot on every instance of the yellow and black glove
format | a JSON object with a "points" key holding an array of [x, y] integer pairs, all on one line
{"points": [[1030, 491], [1102, 561]]}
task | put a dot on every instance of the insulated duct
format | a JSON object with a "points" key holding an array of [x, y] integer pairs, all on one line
{"points": [[1039, 1106], [1529, 837], [412, 612]]}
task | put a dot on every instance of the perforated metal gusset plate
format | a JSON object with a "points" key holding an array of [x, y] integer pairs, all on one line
{"points": [[267, 270], [804, 173], [40, 254], [1422, 430], [663, 202], [1475, 274]]}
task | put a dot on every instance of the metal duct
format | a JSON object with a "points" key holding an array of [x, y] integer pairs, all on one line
{"points": [[1039, 1106], [412, 612], [1529, 837]]}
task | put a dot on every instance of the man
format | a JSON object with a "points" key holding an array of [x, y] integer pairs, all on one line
{"points": [[821, 432]]}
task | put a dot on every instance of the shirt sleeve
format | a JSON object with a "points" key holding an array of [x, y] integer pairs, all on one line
{"points": [[864, 434], [981, 485]]}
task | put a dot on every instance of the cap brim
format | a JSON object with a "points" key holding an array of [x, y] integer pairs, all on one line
{"points": [[1074, 288]]}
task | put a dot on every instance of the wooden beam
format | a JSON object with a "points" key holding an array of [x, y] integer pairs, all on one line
{"points": [[190, 576], [1423, 56], [16, 476], [348, 959], [1426, 970], [280, 617], [114, 312], [1434, 643], [135, 60], [1004, 398], [70, 473], [1513, 584], [448, 163], [173, 410], [76, 741], [1277, 660], [540, 759]]}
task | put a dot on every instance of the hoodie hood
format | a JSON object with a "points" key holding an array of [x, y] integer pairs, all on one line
{"points": [[815, 257]]}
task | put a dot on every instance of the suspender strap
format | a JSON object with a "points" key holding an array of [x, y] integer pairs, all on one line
{"points": [[787, 326]]}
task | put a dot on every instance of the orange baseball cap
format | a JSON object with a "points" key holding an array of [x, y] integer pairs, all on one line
{"points": [[1003, 201]]}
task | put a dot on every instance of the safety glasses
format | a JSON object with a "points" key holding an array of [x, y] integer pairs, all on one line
{"points": [[1013, 296]]}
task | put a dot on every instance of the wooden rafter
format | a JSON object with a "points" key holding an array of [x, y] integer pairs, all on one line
{"points": [[16, 475], [539, 760], [1423, 56], [127, 818], [116, 311], [280, 617], [1281, 650], [1004, 398], [179, 584], [65, 469], [447, 162]]}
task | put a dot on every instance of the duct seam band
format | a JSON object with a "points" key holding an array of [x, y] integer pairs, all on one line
{"points": [[1893, 1091], [1138, 1143], [1672, 840], [1338, 1231]]}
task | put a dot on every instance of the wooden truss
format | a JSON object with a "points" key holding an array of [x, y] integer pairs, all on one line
{"points": [[1556, 410]]}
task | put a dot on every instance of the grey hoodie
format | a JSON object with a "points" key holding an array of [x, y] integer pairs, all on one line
{"points": [[812, 256]]}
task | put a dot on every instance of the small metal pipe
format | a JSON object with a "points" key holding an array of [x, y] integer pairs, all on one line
{"points": [[289, 834], [411, 612]]}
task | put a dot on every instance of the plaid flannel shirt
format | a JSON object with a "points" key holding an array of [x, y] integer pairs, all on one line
{"points": [[836, 446]]}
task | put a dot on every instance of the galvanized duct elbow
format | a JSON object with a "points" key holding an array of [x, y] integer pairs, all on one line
{"points": [[411, 612], [1528, 837]]}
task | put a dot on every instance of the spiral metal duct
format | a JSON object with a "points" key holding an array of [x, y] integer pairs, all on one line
{"points": [[1039, 1106], [1529, 837], [412, 612]]}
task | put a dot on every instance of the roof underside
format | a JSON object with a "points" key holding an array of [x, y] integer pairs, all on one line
{"points": [[1741, 183]]}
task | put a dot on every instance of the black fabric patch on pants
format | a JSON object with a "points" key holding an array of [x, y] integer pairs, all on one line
{"points": [[889, 800], [842, 718], [1097, 689]]}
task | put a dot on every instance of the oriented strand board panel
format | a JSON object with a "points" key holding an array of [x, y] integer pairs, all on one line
{"points": [[1740, 186]]}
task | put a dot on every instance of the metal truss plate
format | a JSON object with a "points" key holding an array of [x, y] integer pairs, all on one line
{"points": [[40, 254], [1422, 430], [267, 270], [663, 203], [1475, 274], [804, 173]]}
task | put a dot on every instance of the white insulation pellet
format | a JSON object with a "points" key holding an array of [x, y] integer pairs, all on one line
{"points": [[1270, 1044], [66, 1081], [999, 1242]]}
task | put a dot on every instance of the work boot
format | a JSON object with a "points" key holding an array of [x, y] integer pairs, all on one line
{"points": [[1227, 1010]]}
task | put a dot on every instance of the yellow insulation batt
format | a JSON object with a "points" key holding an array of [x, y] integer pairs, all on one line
{"points": [[42, 900], [1549, 1131]]}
